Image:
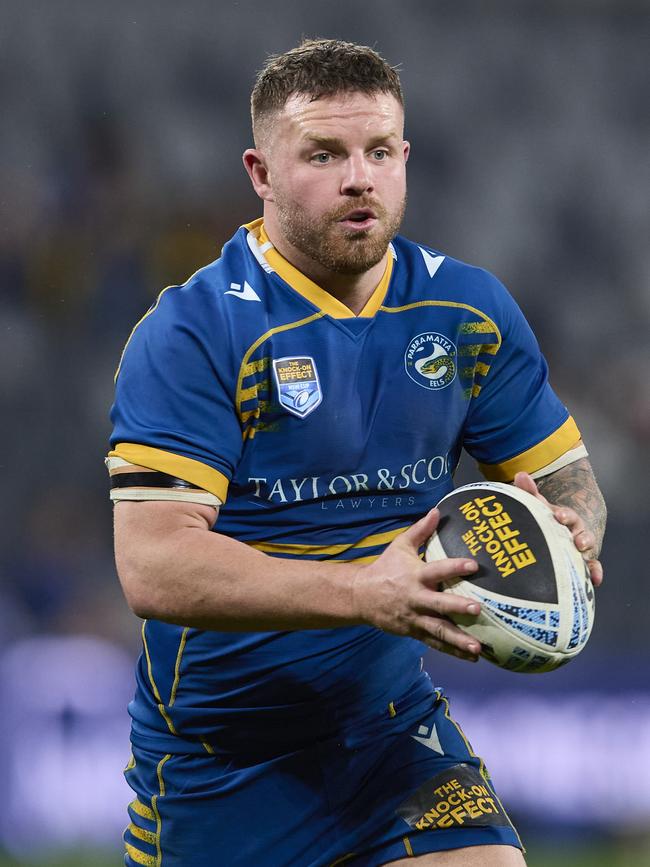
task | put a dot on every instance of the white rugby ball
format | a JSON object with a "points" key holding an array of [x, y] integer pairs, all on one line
{"points": [[533, 585]]}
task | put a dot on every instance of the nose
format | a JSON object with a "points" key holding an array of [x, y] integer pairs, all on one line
{"points": [[357, 178]]}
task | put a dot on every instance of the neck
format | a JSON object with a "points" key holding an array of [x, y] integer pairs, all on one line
{"points": [[353, 290]]}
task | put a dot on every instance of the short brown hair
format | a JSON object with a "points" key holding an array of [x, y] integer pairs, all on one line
{"points": [[318, 68]]}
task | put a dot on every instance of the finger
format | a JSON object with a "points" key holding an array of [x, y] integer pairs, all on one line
{"points": [[569, 517], [449, 570], [595, 572], [583, 537], [444, 604], [527, 483], [444, 633], [419, 533], [584, 540]]}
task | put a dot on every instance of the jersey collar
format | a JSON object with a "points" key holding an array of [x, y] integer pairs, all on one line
{"points": [[273, 261]]}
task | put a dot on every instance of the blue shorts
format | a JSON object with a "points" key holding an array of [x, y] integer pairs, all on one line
{"points": [[421, 790]]}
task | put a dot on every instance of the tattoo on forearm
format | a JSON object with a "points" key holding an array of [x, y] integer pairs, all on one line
{"points": [[575, 486]]}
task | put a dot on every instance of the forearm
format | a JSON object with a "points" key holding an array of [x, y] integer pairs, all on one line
{"points": [[575, 486], [174, 568], [186, 574]]}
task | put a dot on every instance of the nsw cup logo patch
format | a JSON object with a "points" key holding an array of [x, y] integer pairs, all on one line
{"points": [[431, 360], [298, 385]]}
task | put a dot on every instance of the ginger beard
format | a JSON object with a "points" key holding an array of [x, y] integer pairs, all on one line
{"points": [[333, 247]]}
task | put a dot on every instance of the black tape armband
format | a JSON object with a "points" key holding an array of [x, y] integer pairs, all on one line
{"points": [[129, 482], [149, 480]]}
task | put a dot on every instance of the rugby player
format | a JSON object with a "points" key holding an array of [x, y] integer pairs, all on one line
{"points": [[284, 424]]}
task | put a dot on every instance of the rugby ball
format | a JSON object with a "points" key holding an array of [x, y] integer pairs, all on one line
{"points": [[533, 585]]}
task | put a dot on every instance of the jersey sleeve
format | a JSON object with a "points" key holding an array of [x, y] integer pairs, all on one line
{"points": [[516, 421], [176, 433]]}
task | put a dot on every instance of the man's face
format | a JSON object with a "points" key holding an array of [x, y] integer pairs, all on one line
{"points": [[336, 178]]}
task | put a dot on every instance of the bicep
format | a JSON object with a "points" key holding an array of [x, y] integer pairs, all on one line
{"points": [[144, 537]]}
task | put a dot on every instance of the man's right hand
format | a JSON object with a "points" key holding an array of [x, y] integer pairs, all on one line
{"points": [[398, 593]]}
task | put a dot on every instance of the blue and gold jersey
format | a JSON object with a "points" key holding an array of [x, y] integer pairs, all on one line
{"points": [[323, 435]]}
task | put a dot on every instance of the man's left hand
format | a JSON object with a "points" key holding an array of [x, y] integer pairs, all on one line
{"points": [[583, 537]]}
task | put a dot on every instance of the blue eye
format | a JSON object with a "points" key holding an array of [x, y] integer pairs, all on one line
{"points": [[322, 159], [380, 155]]}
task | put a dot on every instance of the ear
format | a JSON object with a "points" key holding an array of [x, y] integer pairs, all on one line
{"points": [[255, 165], [406, 149]]}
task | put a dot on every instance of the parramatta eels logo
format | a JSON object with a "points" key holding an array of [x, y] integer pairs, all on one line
{"points": [[430, 360], [299, 388]]}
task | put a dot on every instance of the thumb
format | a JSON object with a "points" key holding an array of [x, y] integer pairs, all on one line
{"points": [[526, 483], [418, 533]]}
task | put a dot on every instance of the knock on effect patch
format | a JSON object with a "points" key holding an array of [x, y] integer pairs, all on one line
{"points": [[455, 798], [299, 389]]}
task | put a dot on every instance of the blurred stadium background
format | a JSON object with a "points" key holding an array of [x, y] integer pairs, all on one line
{"points": [[120, 173]]}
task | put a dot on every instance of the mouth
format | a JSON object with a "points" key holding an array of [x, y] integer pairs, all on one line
{"points": [[359, 219]]}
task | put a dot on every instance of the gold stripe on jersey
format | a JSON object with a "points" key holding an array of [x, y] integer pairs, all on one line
{"points": [[142, 834], [258, 365], [177, 667], [301, 550], [189, 470], [474, 349], [562, 440], [254, 390], [140, 857], [485, 326], [177, 676], [142, 810], [343, 859], [310, 290], [161, 706], [252, 393], [252, 413], [154, 804], [262, 406]]}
